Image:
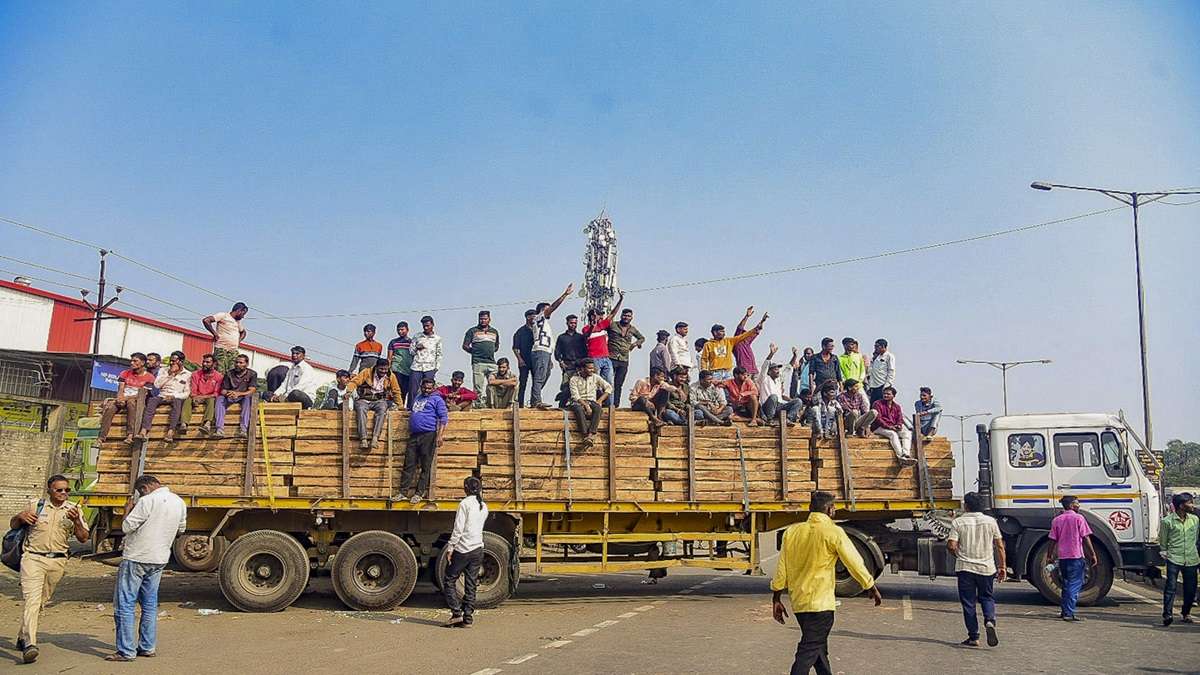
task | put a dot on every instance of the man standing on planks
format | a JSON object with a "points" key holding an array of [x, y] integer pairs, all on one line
{"points": [[481, 342], [623, 337], [228, 333], [542, 348], [807, 571], [426, 426], [569, 349], [522, 345]]}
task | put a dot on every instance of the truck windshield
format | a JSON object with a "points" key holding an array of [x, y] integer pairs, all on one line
{"points": [[1110, 448]]}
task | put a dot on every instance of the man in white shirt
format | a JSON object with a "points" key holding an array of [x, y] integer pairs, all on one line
{"points": [[543, 348], [150, 525], [466, 554], [228, 333], [881, 373], [678, 352], [174, 385], [588, 406], [426, 352], [770, 389], [302, 381], [973, 536]]}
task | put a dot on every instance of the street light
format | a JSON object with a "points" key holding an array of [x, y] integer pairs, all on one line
{"points": [[962, 440], [1134, 199], [1003, 367]]}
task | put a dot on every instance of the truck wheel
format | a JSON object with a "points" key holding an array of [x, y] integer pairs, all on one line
{"points": [[845, 586], [1096, 580], [374, 571], [193, 552], [264, 571], [495, 574]]}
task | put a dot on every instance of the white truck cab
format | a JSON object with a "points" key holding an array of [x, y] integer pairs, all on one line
{"points": [[1028, 462]]}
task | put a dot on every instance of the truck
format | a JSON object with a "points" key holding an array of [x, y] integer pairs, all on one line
{"points": [[297, 499]]}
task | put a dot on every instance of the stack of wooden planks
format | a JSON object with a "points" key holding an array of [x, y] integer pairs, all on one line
{"points": [[523, 456]]}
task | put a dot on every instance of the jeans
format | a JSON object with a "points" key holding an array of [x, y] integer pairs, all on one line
{"points": [[620, 369], [703, 414], [418, 455], [541, 375], [1071, 571], [772, 406], [460, 563], [605, 368], [854, 422], [976, 588], [244, 403], [380, 409], [874, 394], [137, 584], [587, 414], [653, 407], [479, 379], [414, 383], [722, 375], [813, 650], [1189, 588], [173, 419], [901, 440], [522, 384], [672, 417]]}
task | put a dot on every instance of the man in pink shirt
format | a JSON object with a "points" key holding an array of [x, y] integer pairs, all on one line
{"points": [[1069, 539]]}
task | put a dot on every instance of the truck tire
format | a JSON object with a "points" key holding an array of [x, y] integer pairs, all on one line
{"points": [[374, 571], [193, 552], [495, 574], [845, 586], [1097, 581], [264, 571]]}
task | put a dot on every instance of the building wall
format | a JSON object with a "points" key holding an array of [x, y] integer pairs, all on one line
{"points": [[24, 320], [67, 332], [25, 458]]}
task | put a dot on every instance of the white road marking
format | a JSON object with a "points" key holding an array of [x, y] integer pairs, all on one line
{"points": [[906, 604], [487, 671], [585, 632], [647, 608], [606, 624], [627, 615], [656, 602], [521, 659], [557, 644], [1138, 596]]}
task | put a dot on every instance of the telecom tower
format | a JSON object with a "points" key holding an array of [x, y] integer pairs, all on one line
{"points": [[599, 288]]}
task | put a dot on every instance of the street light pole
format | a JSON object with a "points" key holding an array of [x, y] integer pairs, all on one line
{"points": [[1003, 367], [98, 316], [962, 440], [1133, 199]]}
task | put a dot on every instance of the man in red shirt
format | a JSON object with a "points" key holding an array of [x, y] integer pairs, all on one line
{"points": [[889, 423], [131, 397], [596, 332], [457, 397], [743, 396], [206, 386]]}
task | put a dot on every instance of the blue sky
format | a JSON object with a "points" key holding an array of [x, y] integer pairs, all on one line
{"points": [[313, 158]]}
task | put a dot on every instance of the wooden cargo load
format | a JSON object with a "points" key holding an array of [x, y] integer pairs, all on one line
{"points": [[524, 455]]}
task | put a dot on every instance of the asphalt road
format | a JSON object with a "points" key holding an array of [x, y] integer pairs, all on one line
{"points": [[689, 623]]}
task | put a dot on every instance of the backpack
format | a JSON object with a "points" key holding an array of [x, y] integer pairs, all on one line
{"points": [[14, 542]]}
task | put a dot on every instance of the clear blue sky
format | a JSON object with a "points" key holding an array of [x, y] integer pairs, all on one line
{"points": [[368, 158]]}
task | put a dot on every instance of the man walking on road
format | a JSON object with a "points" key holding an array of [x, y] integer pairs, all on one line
{"points": [[44, 557], [807, 571], [1069, 538], [1177, 541], [150, 525], [973, 537]]}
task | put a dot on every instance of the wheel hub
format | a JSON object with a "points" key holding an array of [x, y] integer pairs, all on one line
{"points": [[374, 572]]}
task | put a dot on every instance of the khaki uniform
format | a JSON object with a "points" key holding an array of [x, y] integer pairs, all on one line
{"points": [[39, 573]]}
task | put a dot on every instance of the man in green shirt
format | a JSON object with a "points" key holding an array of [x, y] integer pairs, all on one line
{"points": [[1177, 543], [622, 337], [481, 342]]}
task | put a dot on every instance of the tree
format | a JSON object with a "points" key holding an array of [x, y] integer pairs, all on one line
{"points": [[1181, 464]]}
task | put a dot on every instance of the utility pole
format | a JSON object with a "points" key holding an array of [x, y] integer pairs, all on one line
{"points": [[97, 317], [1003, 367]]}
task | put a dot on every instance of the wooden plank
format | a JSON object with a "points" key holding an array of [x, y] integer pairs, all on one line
{"points": [[612, 458], [346, 452], [843, 454], [922, 474], [783, 456], [691, 451], [389, 421], [251, 437], [516, 455]]}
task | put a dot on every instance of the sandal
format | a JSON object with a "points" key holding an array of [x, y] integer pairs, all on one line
{"points": [[117, 656]]}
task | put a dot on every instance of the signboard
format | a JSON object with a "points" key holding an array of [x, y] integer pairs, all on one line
{"points": [[105, 375]]}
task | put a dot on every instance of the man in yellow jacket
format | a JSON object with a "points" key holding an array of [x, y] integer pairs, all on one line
{"points": [[375, 390], [807, 563]]}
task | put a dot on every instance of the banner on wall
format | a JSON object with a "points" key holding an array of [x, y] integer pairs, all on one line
{"points": [[105, 375]]}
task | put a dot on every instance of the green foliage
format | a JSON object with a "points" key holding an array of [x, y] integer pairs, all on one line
{"points": [[1182, 463]]}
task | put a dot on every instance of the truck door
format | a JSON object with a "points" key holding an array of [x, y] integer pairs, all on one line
{"points": [[1091, 466]]}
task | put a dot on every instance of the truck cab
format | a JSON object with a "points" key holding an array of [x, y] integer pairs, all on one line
{"points": [[1028, 462]]}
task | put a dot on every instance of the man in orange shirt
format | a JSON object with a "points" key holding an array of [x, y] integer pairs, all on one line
{"points": [[743, 396], [366, 352]]}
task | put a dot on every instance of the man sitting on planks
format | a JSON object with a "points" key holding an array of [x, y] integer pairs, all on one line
{"points": [[426, 426], [649, 395], [457, 397], [586, 402], [174, 384], [711, 405], [239, 386], [375, 389]]}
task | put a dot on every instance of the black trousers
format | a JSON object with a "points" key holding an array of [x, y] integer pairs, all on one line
{"points": [[461, 563], [873, 394], [813, 650], [523, 381], [297, 396], [587, 413], [418, 455], [620, 368]]}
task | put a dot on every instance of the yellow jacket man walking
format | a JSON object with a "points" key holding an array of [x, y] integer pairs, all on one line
{"points": [[807, 563], [44, 558]]}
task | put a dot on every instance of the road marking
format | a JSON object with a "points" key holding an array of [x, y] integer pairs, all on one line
{"points": [[656, 602], [627, 615], [606, 624], [487, 671], [521, 659], [585, 632], [647, 608], [557, 644], [906, 604], [1137, 596]]}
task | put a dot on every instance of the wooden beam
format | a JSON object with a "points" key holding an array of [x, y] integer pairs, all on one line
{"points": [[345, 452], [922, 467], [691, 451], [390, 476], [612, 452], [783, 456], [844, 455], [251, 439], [516, 440]]}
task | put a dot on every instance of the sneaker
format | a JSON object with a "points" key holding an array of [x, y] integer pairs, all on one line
{"points": [[992, 638], [416, 498], [241, 434], [29, 654], [454, 622], [542, 406], [219, 433], [182, 430], [1168, 620], [970, 642], [146, 655], [467, 622], [1186, 619], [1076, 619], [203, 430]]}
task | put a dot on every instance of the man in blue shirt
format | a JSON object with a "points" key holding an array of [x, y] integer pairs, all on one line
{"points": [[930, 412], [426, 426]]}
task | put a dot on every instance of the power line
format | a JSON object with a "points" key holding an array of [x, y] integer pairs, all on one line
{"points": [[48, 269]]}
